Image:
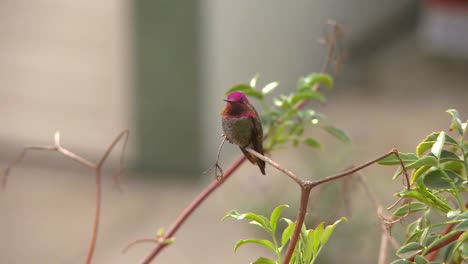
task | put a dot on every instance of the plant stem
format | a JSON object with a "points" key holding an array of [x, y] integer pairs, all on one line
{"points": [[191, 208], [97, 216], [305, 193]]}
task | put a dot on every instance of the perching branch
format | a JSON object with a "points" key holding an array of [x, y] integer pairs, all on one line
{"points": [[306, 187], [96, 167]]}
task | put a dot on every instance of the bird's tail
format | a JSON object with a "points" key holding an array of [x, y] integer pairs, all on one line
{"points": [[260, 163]]}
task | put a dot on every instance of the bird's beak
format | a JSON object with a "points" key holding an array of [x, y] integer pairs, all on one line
{"points": [[229, 101]]}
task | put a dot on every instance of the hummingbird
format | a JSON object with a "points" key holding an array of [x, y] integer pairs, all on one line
{"points": [[242, 126]]}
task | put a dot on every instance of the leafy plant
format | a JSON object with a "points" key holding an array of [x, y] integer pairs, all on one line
{"points": [[438, 179], [311, 241], [283, 121]]}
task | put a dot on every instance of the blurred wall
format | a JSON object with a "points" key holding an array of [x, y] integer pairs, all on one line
{"points": [[63, 66]]}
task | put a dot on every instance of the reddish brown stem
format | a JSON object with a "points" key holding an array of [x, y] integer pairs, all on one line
{"points": [[305, 193], [97, 216], [441, 244], [431, 256], [191, 208], [97, 167], [362, 166]]}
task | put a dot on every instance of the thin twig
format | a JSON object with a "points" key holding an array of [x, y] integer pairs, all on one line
{"points": [[97, 167], [216, 166], [276, 165], [360, 167]]}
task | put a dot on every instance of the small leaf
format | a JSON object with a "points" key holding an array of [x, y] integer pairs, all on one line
{"points": [[409, 208], [287, 232], [446, 155], [418, 172], [409, 250], [462, 216], [329, 230], [425, 196], [262, 242], [269, 87], [338, 133], [438, 145], [258, 220], [307, 82], [456, 121], [306, 95], [437, 180], [463, 226], [247, 90], [275, 216], [169, 241], [160, 232], [393, 160], [253, 81], [263, 260], [312, 143], [431, 139], [420, 260], [424, 161]]}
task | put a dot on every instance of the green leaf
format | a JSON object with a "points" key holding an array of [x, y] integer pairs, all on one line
{"points": [[262, 242], [312, 143], [393, 160], [169, 241], [269, 87], [253, 81], [409, 208], [424, 161], [329, 230], [423, 195], [275, 216], [456, 166], [418, 172], [438, 145], [462, 216], [463, 226], [247, 90], [429, 141], [314, 237], [287, 232], [263, 260], [449, 156], [258, 220], [409, 250], [456, 121], [306, 95], [420, 260], [437, 180], [310, 80], [338, 133]]}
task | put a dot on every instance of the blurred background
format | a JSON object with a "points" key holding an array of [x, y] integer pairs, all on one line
{"points": [[160, 68]]}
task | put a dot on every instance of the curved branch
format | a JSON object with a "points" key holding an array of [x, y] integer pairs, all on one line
{"points": [[97, 167], [191, 208]]}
